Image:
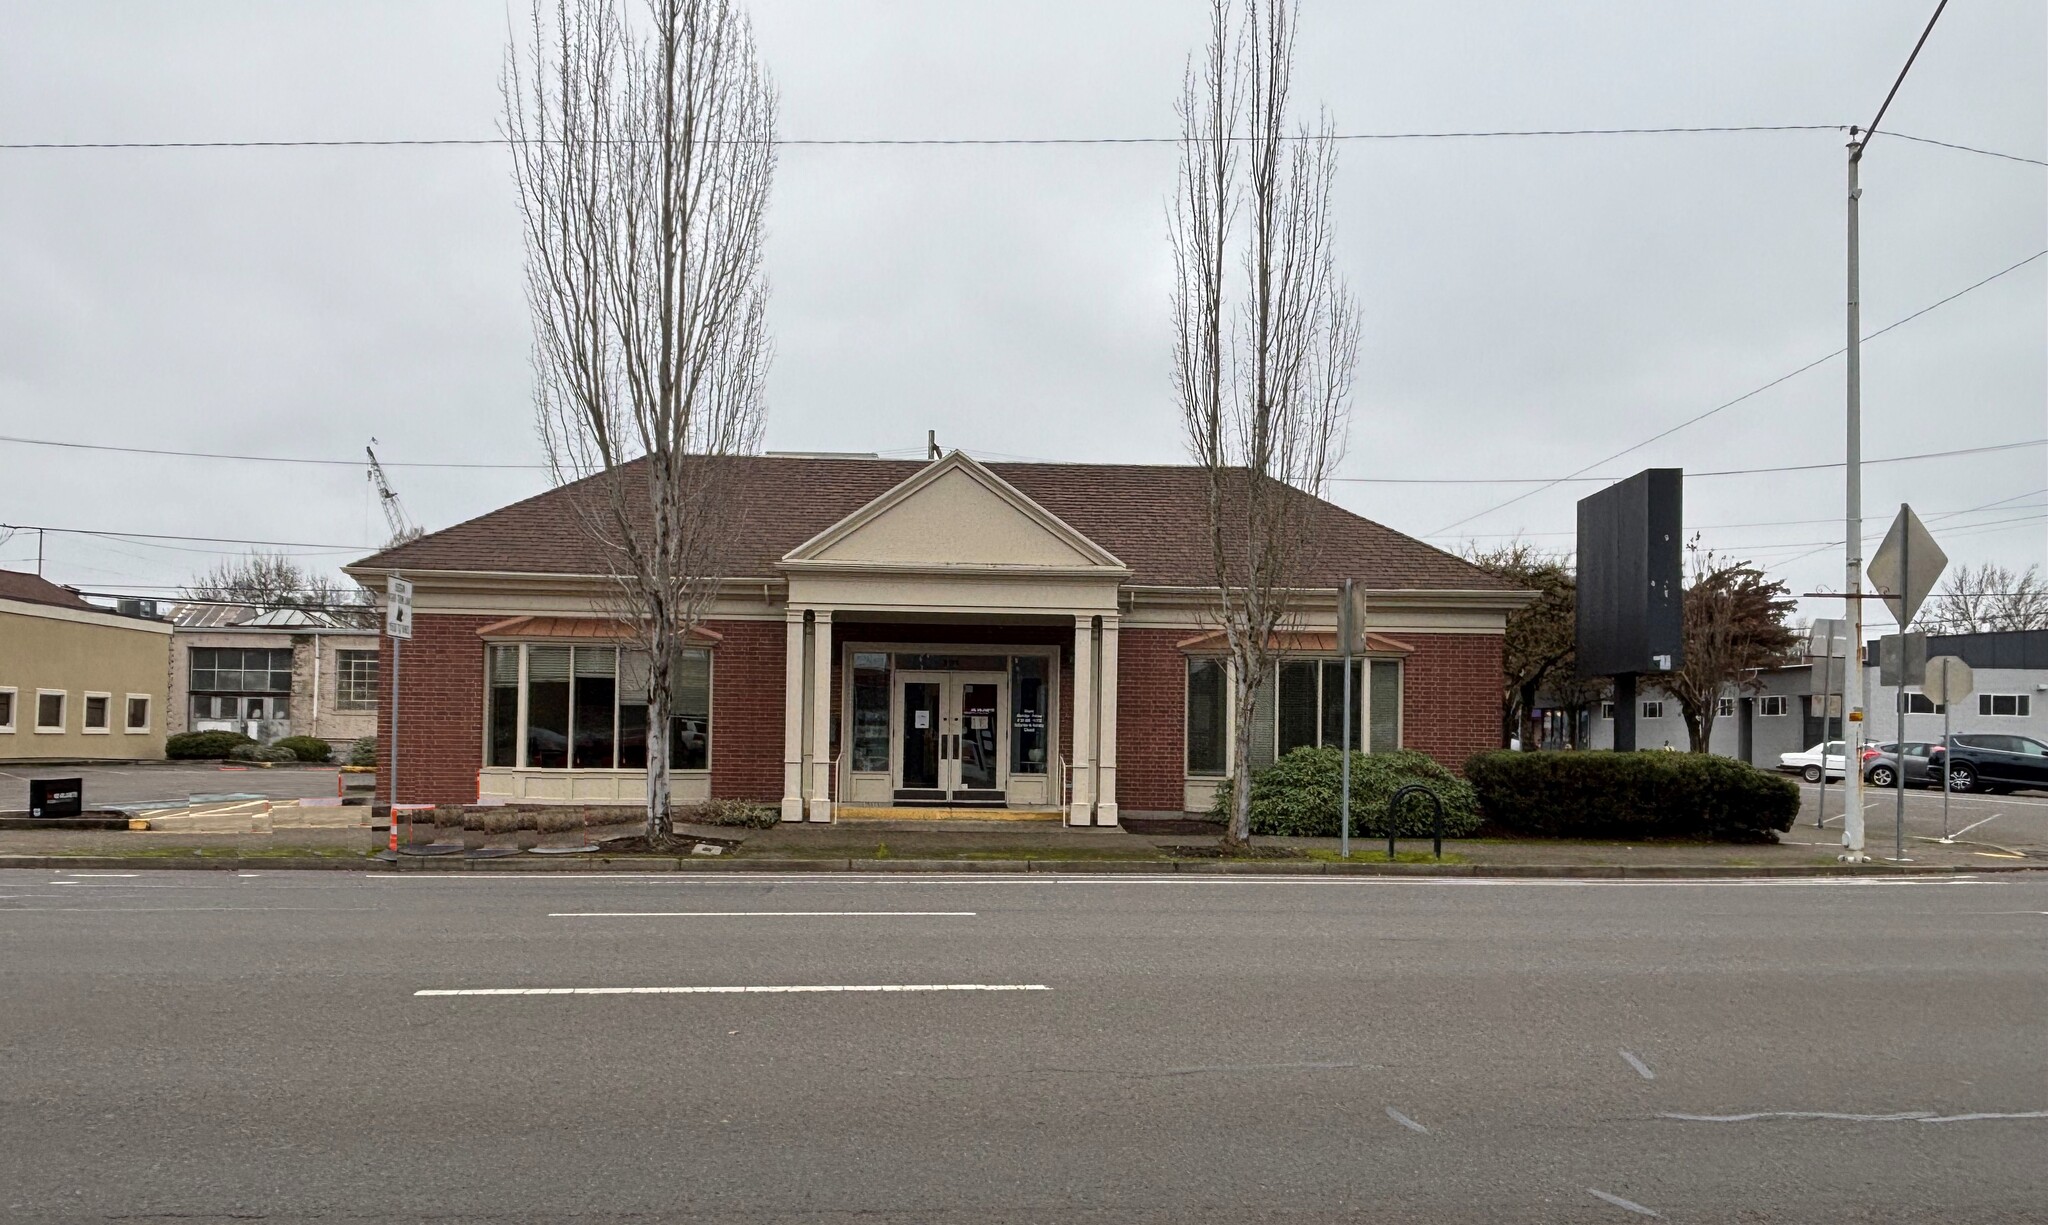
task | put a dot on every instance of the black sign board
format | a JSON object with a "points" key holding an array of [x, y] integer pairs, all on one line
{"points": [[1631, 576], [56, 797]]}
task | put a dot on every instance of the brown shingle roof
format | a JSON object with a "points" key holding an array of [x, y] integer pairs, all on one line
{"points": [[35, 589], [1149, 516]]}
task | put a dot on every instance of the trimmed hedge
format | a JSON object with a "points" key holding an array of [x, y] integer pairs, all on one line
{"points": [[363, 751], [306, 748], [747, 814], [261, 752], [1300, 793], [1652, 794], [199, 745]]}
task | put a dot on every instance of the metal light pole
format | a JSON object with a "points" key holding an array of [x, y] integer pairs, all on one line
{"points": [[1852, 663], [1346, 630]]}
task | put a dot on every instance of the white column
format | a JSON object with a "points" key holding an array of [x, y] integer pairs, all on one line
{"points": [[1105, 735], [821, 716], [793, 715], [1081, 803]]}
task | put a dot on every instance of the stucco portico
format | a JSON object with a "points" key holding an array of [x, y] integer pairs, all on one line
{"points": [[942, 644]]}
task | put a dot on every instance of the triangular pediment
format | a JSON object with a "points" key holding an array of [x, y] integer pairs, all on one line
{"points": [[955, 513]]}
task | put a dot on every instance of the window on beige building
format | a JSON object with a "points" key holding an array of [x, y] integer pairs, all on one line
{"points": [[356, 680], [96, 713], [50, 710], [138, 712], [7, 709]]}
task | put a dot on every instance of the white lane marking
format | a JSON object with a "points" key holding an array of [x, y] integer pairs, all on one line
{"points": [[1405, 1121], [1642, 1069], [101, 874], [761, 914], [7, 910], [1903, 1116], [1967, 828], [1619, 1202], [1254, 1067], [833, 989], [1972, 1118]]}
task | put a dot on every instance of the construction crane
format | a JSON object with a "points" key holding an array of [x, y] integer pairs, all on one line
{"points": [[402, 527]]}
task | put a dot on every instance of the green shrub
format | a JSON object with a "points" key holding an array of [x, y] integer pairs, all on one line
{"points": [[363, 752], [1300, 795], [1632, 795], [749, 814], [194, 745], [261, 752], [306, 748]]}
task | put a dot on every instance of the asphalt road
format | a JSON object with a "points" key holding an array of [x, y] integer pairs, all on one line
{"points": [[2018, 821], [211, 1047]]}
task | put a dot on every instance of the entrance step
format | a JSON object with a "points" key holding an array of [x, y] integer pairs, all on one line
{"points": [[935, 812]]}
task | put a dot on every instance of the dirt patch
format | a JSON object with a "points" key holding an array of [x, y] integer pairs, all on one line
{"points": [[1152, 827], [674, 844], [1255, 851]]}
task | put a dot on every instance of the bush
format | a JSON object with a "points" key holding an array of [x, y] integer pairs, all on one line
{"points": [[191, 745], [363, 751], [1632, 795], [261, 752], [306, 748], [749, 814], [1300, 794]]}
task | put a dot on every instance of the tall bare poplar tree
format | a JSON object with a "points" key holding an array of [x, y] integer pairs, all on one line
{"points": [[1266, 335], [643, 150]]}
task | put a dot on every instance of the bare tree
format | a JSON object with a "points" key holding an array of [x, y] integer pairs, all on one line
{"points": [[1734, 628], [1266, 335], [1989, 597], [270, 580], [643, 151]]}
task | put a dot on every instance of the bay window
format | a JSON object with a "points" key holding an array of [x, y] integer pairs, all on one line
{"points": [[556, 707]]}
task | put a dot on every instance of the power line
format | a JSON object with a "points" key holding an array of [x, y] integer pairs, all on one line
{"points": [[139, 536], [1901, 79], [1694, 420], [1711, 527], [1946, 144], [930, 142], [259, 459], [1690, 476]]}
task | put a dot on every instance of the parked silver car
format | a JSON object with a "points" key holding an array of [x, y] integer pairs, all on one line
{"points": [[1881, 764]]}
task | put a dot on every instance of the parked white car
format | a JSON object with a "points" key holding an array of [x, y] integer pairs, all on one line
{"points": [[1808, 764]]}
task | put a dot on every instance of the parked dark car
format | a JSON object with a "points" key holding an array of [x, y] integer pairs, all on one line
{"points": [[1881, 763], [1988, 762]]}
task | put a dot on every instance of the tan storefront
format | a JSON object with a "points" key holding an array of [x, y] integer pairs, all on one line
{"points": [[78, 683]]}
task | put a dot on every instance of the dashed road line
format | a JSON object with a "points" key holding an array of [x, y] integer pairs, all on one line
{"points": [[826, 989], [1642, 1069], [1619, 1202], [761, 914], [1405, 1121]]}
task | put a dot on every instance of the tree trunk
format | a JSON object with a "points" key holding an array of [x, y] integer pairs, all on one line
{"points": [[1238, 834], [1529, 739], [660, 682]]}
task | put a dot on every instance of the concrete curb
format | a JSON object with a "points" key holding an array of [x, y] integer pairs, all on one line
{"points": [[959, 867]]}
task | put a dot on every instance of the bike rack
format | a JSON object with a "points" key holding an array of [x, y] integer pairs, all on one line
{"points": [[1394, 807]]}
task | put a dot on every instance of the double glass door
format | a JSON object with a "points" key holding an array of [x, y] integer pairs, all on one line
{"points": [[951, 742]]}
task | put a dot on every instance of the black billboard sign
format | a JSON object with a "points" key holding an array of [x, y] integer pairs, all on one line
{"points": [[56, 797], [1632, 576]]}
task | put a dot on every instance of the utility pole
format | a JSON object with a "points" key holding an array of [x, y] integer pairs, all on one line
{"points": [[1853, 674]]}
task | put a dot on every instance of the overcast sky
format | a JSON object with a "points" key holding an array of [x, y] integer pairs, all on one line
{"points": [[1531, 305]]}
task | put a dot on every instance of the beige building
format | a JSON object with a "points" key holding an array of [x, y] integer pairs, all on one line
{"points": [[272, 673], [77, 682]]}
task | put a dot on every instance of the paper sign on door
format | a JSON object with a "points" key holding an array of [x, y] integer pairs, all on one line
{"points": [[977, 723], [924, 719]]}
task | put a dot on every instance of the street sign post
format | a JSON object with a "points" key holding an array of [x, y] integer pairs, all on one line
{"points": [[1350, 628], [1901, 661], [1949, 680], [1903, 572], [398, 627], [1827, 640]]}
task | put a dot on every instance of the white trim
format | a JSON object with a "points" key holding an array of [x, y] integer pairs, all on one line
{"points": [[13, 709], [805, 555], [1763, 704], [106, 713], [148, 713], [63, 715]]}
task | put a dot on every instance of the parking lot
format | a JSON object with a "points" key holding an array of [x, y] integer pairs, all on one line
{"points": [[1992, 824], [163, 782]]}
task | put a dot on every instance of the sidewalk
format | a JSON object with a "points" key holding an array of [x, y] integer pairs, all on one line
{"points": [[330, 838]]}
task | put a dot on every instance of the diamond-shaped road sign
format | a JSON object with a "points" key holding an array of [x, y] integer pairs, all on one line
{"points": [[1906, 565], [1949, 680]]}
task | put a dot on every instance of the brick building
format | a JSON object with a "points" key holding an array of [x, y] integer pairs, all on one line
{"points": [[1015, 636]]}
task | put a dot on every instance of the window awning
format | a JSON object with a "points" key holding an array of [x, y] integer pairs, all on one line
{"points": [[1320, 642], [605, 629]]}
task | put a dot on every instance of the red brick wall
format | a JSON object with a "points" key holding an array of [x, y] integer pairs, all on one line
{"points": [[1151, 697], [747, 675], [1450, 704], [441, 712]]}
